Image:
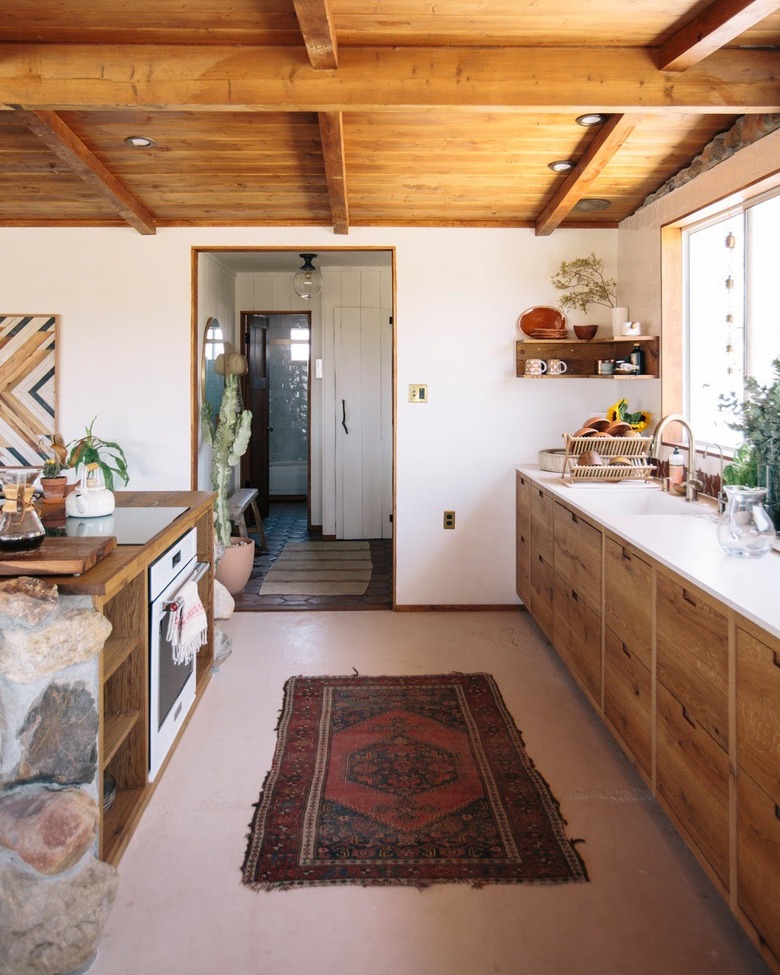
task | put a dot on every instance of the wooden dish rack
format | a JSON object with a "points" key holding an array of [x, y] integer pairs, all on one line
{"points": [[633, 448]]}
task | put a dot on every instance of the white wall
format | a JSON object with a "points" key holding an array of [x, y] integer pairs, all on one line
{"points": [[124, 304]]}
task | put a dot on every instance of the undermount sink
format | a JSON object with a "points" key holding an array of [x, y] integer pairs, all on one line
{"points": [[621, 502]]}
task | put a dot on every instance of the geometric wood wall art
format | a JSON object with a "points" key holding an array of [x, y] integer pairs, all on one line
{"points": [[27, 391]]}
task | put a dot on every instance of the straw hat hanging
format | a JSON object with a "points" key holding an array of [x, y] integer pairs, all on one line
{"points": [[230, 362]]}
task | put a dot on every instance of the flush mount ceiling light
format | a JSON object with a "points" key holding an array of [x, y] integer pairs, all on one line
{"points": [[308, 281], [592, 203], [139, 141], [592, 118], [561, 165]]}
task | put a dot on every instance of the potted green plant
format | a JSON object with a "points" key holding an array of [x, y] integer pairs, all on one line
{"points": [[53, 481], [757, 418], [582, 283], [228, 433], [92, 452]]}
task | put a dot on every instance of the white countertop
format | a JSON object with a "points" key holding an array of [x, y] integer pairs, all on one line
{"points": [[686, 542]]}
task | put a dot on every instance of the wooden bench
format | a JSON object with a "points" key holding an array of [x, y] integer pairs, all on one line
{"points": [[238, 502]]}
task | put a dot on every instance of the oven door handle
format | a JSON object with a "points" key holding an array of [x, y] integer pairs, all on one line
{"points": [[199, 570]]}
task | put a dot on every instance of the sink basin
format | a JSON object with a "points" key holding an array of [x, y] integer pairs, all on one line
{"points": [[618, 503]]}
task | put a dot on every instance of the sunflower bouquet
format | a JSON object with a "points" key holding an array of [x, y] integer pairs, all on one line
{"points": [[639, 420]]}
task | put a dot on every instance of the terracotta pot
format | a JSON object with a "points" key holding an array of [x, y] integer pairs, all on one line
{"points": [[235, 566], [54, 487]]}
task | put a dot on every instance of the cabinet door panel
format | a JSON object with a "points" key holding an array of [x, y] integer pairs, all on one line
{"points": [[577, 555], [758, 859], [692, 654], [542, 524], [628, 582], [758, 710], [577, 636], [693, 777], [627, 698], [542, 593], [523, 538]]}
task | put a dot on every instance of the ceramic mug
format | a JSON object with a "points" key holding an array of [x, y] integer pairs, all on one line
{"points": [[556, 367], [535, 367]]}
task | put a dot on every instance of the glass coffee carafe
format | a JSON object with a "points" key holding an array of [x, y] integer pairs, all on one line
{"points": [[20, 526]]}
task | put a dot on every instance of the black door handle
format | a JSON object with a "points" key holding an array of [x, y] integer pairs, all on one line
{"points": [[344, 415]]}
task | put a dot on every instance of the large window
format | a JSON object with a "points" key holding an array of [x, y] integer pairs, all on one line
{"points": [[732, 317]]}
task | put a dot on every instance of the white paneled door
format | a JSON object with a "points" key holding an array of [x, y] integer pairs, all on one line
{"points": [[364, 422]]}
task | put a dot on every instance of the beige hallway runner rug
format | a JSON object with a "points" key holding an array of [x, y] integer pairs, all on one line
{"points": [[319, 569]]}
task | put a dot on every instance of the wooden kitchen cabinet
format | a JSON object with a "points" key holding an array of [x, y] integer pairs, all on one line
{"points": [[577, 636], [523, 538], [542, 579], [628, 701], [542, 507], [577, 554], [628, 598], [758, 781]]}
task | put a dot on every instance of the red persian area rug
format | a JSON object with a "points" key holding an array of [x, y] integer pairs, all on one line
{"points": [[404, 780]]}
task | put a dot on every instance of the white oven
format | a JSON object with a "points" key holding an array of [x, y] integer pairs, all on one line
{"points": [[171, 684]]}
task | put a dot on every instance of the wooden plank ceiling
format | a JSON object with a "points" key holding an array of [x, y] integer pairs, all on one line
{"points": [[345, 113]]}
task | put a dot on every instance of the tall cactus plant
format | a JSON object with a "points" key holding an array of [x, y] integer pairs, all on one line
{"points": [[228, 434]]}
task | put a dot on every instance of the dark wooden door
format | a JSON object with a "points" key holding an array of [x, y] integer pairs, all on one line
{"points": [[255, 328]]}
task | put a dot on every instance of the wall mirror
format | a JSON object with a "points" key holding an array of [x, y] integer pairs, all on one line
{"points": [[212, 385]]}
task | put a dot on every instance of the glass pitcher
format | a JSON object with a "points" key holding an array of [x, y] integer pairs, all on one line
{"points": [[20, 527], [745, 528]]}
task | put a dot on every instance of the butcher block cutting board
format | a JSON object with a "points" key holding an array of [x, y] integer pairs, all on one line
{"points": [[57, 556]]}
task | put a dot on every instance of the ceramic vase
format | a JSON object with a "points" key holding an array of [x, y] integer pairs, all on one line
{"points": [[235, 566], [619, 316]]}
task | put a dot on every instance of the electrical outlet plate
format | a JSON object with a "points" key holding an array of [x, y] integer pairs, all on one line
{"points": [[449, 519], [418, 393]]}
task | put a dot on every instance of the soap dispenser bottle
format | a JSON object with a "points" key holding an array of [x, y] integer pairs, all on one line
{"points": [[676, 468]]}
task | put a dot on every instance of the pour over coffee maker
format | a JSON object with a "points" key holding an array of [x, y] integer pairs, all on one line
{"points": [[20, 527]]}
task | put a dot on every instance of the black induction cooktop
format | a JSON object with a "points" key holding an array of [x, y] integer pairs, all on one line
{"points": [[130, 526]]}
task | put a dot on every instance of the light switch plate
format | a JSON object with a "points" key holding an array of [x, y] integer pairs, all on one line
{"points": [[418, 393]]}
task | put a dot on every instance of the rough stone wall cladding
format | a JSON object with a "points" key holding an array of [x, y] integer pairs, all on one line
{"points": [[744, 132], [56, 893]]}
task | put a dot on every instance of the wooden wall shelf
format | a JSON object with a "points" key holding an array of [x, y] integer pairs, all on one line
{"points": [[581, 356]]}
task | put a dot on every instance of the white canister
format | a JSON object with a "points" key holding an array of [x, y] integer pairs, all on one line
{"points": [[631, 328]]}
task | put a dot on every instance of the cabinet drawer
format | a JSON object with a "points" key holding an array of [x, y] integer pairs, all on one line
{"points": [[627, 698], [523, 491], [541, 572], [692, 773], [542, 524], [523, 568], [758, 710], [758, 860], [628, 593], [692, 654], [577, 555], [577, 636]]}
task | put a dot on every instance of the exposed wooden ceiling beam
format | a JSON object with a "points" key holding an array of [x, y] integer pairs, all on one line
{"points": [[715, 26], [318, 34], [66, 145], [609, 139], [332, 136], [76, 76]]}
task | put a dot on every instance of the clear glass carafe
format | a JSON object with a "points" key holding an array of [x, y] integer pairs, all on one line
{"points": [[745, 529], [20, 527]]}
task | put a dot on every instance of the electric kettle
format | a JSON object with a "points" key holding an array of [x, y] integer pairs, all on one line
{"points": [[91, 499]]}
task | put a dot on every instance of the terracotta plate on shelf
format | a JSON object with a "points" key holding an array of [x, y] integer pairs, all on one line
{"points": [[543, 317]]}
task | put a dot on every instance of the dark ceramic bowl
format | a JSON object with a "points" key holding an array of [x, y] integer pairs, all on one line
{"points": [[585, 331]]}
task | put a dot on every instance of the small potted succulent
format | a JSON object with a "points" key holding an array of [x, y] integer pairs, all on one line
{"points": [[53, 481]]}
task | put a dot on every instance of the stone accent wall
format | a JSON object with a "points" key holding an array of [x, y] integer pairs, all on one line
{"points": [[744, 132], [56, 894]]}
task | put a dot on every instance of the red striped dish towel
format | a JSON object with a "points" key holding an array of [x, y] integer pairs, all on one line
{"points": [[187, 624]]}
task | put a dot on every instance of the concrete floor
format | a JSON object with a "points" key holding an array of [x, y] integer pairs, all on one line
{"points": [[181, 908]]}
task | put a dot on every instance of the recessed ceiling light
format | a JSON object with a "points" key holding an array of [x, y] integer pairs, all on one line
{"points": [[139, 141], [591, 203], [592, 118], [561, 165]]}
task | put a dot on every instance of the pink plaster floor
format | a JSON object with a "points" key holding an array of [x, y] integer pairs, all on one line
{"points": [[181, 908]]}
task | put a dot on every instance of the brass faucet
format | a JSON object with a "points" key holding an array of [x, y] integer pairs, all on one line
{"points": [[691, 484]]}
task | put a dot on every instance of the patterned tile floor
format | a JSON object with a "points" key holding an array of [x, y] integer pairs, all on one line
{"points": [[287, 522]]}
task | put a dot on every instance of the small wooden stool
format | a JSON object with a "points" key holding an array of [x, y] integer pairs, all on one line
{"points": [[238, 502]]}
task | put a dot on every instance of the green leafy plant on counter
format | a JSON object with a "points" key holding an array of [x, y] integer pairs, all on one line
{"points": [[582, 283], [758, 416], [91, 450], [743, 468]]}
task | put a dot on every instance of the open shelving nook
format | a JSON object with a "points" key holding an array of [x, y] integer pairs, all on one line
{"points": [[581, 356]]}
